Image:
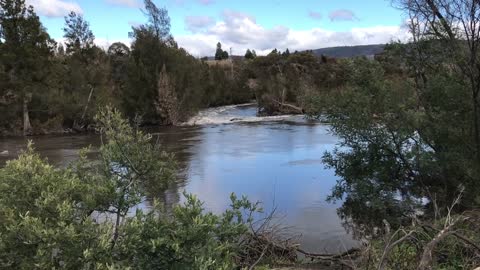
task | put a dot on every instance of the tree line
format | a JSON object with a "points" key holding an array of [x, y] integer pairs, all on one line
{"points": [[46, 86]]}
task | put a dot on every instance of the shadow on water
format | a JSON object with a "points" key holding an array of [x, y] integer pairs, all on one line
{"points": [[277, 163]]}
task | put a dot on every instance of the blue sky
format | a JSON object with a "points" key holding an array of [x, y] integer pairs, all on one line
{"points": [[257, 24]]}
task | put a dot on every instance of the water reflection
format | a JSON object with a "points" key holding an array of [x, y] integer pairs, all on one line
{"points": [[278, 163]]}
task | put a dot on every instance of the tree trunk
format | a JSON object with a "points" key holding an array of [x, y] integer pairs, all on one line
{"points": [[86, 106], [27, 127], [117, 225]]}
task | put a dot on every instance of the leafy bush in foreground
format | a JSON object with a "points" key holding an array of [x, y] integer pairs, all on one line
{"points": [[76, 217]]}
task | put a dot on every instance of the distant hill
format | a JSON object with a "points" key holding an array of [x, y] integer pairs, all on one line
{"points": [[351, 51], [338, 52]]}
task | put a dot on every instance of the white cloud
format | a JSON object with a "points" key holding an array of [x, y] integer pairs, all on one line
{"points": [[54, 8], [241, 32], [128, 3]]}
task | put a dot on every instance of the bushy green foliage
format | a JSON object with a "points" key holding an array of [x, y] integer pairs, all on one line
{"points": [[195, 240], [76, 217], [45, 215], [295, 79], [399, 144]]}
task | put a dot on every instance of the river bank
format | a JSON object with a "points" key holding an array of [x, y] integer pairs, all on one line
{"points": [[210, 116]]}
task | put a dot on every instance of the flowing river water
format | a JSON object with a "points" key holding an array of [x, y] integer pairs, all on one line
{"points": [[275, 160]]}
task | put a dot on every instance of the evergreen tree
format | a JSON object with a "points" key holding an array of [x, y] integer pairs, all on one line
{"points": [[219, 52], [86, 78], [225, 55], [25, 52], [274, 52], [249, 54], [77, 33], [158, 20]]}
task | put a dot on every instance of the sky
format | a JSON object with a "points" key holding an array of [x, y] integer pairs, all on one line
{"points": [[262, 25]]}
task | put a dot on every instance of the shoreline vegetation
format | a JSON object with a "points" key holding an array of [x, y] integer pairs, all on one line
{"points": [[53, 88], [408, 160]]}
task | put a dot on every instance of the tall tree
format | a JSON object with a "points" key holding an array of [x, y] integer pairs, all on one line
{"points": [[24, 52], [77, 33], [249, 54], [119, 55], [158, 20], [219, 53], [87, 71], [455, 24], [411, 125], [151, 53]]}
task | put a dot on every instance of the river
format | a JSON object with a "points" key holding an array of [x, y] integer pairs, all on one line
{"points": [[275, 160]]}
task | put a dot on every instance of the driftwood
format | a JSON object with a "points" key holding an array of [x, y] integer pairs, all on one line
{"points": [[293, 107], [263, 246], [330, 257], [270, 241]]}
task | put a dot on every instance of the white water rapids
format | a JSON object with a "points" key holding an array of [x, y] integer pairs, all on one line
{"points": [[243, 113]]}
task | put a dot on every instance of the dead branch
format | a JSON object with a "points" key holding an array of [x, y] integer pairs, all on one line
{"points": [[466, 240], [300, 110], [427, 255], [390, 246], [459, 236], [259, 258], [450, 222], [331, 257]]}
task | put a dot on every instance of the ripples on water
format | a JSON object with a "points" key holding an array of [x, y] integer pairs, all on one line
{"points": [[273, 160]]}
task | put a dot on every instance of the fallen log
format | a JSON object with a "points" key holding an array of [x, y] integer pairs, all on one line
{"points": [[324, 256], [293, 107]]}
